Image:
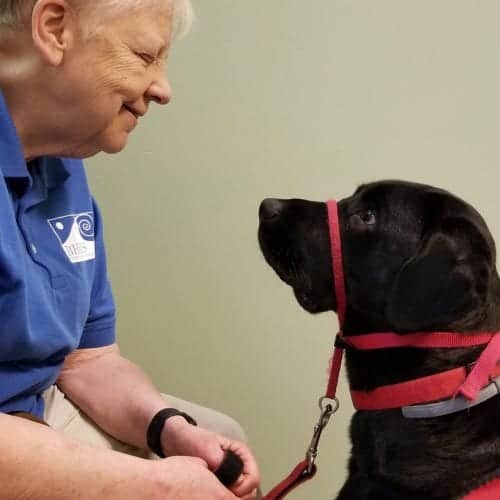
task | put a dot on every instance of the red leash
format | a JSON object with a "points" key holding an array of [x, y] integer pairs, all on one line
{"points": [[444, 385]]}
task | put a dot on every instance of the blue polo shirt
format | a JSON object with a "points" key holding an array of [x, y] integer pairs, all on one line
{"points": [[54, 291]]}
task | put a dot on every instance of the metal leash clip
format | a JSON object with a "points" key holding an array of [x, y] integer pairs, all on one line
{"points": [[327, 410]]}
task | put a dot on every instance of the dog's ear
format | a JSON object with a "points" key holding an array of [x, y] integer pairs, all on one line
{"points": [[445, 281]]}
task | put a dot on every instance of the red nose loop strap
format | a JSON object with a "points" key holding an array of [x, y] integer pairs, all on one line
{"points": [[340, 293], [337, 261]]}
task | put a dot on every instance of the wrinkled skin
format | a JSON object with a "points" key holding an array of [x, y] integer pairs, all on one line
{"points": [[416, 258]]}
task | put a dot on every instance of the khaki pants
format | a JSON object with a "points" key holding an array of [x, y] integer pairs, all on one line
{"points": [[63, 416]]}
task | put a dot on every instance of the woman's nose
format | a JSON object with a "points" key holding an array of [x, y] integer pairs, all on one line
{"points": [[160, 91]]}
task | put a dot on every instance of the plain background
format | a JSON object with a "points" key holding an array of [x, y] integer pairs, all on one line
{"points": [[283, 98]]}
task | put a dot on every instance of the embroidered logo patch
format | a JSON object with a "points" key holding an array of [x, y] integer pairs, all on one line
{"points": [[76, 235]]}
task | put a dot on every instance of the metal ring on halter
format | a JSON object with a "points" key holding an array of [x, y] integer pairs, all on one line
{"points": [[327, 410], [323, 406]]}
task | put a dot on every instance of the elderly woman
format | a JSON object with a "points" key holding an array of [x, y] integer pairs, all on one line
{"points": [[75, 77]]}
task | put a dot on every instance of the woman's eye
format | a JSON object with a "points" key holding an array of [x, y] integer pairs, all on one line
{"points": [[147, 58]]}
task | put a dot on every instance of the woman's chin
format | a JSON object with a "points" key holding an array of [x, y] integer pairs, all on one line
{"points": [[115, 144], [110, 141]]}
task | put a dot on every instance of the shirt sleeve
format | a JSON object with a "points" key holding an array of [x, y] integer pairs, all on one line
{"points": [[99, 329]]}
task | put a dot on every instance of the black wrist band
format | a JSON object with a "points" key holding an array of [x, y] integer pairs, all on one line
{"points": [[155, 428]]}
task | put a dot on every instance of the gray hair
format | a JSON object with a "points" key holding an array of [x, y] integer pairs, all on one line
{"points": [[14, 14], [13, 11]]}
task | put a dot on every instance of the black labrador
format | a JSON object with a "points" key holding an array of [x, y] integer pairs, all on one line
{"points": [[416, 258]]}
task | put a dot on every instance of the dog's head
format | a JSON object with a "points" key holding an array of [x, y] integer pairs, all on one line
{"points": [[415, 257]]}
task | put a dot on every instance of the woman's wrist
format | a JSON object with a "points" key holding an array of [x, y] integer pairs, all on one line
{"points": [[164, 426]]}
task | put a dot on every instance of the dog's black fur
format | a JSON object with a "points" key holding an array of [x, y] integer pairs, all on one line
{"points": [[416, 258]]}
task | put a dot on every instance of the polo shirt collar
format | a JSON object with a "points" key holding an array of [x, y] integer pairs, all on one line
{"points": [[53, 171], [12, 162]]}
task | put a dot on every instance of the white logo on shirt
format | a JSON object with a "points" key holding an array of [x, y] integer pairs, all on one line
{"points": [[76, 234]]}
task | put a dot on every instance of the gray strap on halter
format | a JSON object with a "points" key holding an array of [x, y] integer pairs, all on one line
{"points": [[452, 405]]}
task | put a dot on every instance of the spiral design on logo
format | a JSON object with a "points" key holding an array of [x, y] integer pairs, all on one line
{"points": [[85, 224]]}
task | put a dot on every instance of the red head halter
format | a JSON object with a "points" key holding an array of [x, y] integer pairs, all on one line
{"points": [[426, 389]]}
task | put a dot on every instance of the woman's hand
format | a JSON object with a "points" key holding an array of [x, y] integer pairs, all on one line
{"points": [[181, 438], [184, 477]]}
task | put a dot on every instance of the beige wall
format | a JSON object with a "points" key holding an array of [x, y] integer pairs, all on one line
{"points": [[287, 98]]}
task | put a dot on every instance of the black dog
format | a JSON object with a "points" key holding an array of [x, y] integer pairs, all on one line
{"points": [[416, 258]]}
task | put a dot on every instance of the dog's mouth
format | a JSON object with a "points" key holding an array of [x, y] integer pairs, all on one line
{"points": [[306, 301], [301, 289], [289, 274]]}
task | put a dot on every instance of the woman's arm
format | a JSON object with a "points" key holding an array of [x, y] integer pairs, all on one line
{"points": [[114, 392], [119, 397], [37, 462]]}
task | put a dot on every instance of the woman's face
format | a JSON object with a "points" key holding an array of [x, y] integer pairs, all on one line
{"points": [[110, 80]]}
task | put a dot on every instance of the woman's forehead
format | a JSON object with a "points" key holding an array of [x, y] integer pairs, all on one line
{"points": [[166, 18], [151, 25]]}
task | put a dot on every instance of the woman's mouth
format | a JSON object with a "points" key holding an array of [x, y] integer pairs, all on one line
{"points": [[135, 113]]}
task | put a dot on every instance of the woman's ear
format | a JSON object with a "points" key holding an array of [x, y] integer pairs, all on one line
{"points": [[53, 29], [447, 279]]}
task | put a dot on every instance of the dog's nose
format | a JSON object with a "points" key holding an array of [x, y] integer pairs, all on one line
{"points": [[269, 209]]}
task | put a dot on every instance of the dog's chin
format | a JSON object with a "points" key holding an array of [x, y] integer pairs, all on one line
{"points": [[307, 302], [284, 274], [304, 298]]}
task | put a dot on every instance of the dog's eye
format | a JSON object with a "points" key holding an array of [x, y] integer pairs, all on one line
{"points": [[361, 220], [368, 217]]}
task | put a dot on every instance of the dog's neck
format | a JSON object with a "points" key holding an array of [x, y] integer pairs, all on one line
{"points": [[370, 369], [485, 317]]}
